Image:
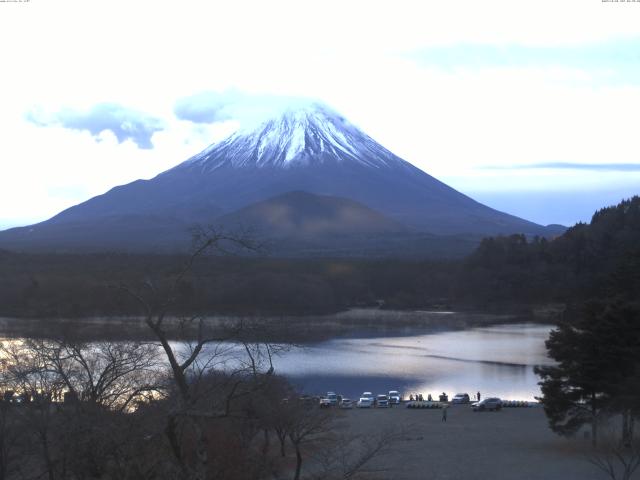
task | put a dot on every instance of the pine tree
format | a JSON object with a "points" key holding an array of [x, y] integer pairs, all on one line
{"points": [[598, 366]]}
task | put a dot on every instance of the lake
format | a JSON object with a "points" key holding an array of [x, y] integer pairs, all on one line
{"points": [[495, 360]]}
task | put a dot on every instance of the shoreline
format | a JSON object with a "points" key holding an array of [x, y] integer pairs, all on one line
{"points": [[352, 323]]}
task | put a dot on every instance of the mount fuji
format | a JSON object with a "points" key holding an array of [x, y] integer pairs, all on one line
{"points": [[305, 165]]}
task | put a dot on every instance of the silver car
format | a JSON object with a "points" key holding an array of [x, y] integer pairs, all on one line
{"points": [[346, 403], [461, 398]]}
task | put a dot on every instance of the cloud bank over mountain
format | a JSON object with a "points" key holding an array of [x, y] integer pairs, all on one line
{"points": [[125, 123], [248, 109]]}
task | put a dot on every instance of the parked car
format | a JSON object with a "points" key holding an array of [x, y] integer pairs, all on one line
{"points": [[368, 395], [346, 403], [325, 403], [394, 397], [333, 398], [382, 401], [491, 404], [461, 398], [365, 402]]}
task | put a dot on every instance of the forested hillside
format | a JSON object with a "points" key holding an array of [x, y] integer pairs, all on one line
{"points": [[599, 259]]}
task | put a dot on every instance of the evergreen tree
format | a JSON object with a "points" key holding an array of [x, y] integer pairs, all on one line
{"points": [[597, 370]]}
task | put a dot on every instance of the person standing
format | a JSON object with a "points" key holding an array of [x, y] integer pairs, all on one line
{"points": [[478, 395], [444, 413]]}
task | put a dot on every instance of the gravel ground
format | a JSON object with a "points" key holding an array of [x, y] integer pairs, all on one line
{"points": [[514, 443]]}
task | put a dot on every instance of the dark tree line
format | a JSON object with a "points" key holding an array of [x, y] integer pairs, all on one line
{"points": [[598, 259], [53, 286]]}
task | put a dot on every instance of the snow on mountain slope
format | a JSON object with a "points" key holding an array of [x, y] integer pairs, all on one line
{"points": [[313, 133]]}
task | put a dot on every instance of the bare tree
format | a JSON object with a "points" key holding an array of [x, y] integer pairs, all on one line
{"points": [[188, 365], [110, 375], [10, 439], [280, 418], [617, 458], [72, 398], [27, 374], [307, 425], [348, 457]]}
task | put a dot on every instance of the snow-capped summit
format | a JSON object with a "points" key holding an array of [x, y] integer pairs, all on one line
{"points": [[300, 135]]}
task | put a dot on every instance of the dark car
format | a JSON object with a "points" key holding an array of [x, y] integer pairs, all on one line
{"points": [[488, 404], [307, 400]]}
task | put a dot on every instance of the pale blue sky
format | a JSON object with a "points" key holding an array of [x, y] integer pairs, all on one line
{"points": [[620, 56], [530, 107]]}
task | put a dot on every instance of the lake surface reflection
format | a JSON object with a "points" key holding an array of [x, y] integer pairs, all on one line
{"points": [[495, 360]]}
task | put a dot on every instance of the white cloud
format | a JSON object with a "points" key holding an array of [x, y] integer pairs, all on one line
{"points": [[122, 122]]}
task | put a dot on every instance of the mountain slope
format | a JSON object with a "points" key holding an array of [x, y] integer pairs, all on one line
{"points": [[309, 149]]}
